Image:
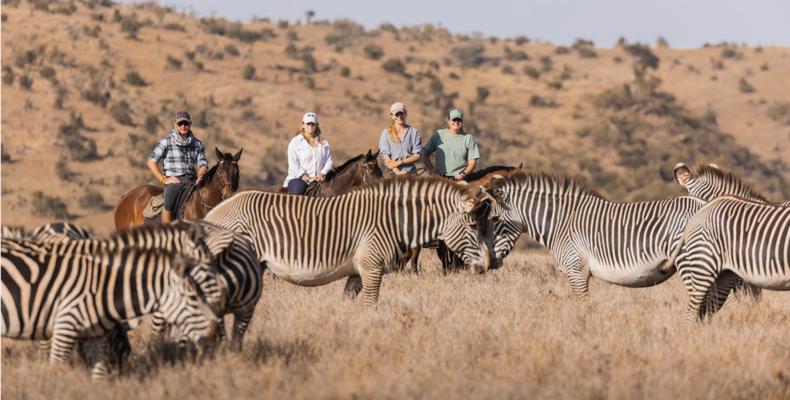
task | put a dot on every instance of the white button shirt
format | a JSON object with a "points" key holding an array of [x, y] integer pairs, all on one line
{"points": [[306, 159]]}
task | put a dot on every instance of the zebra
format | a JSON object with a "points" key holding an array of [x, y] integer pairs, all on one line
{"points": [[13, 232], [239, 274], [361, 234], [57, 231], [728, 239], [81, 289], [709, 182], [621, 243]]}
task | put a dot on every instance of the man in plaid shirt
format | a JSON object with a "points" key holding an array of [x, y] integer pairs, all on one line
{"points": [[181, 150]]}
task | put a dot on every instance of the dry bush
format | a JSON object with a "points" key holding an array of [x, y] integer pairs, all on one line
{"points": [[135, 79], [374, 52], [92, 199], [25, 82], [49, 206], [248, 72], [344, 33], [394, 66], [780, 111], [173, 62], [121, 113], [538, 101], [172, 26], [531, 72], [8, 75], [744, 86], [232, 50], [469, 56]]}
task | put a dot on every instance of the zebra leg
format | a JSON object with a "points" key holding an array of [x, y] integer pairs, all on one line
{"points": [[158, 324], [415, 260], [353, 287], [44, 346], [718, 294], [96, 352], [699, 283], [371, 283], [241, 320], [64, 338], [578, 276], [748, 289]]}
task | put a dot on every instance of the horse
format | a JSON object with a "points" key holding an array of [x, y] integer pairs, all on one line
{"points": [[219, 183], [357, 171]]}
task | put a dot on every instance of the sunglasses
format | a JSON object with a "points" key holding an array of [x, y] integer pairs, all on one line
{"points": [[184, 123], [310, 124], [400, 114], [458, 121]]}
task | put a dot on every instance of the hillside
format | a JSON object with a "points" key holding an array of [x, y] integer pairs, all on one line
{"points": [[88, 88]]}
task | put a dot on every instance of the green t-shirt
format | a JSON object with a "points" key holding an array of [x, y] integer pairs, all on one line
{"points": [[453, 152]]}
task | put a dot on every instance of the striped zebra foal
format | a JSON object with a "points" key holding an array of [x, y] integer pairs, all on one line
{"points": [[82, 289], [620, 243], [729, 239], [359, 235]]}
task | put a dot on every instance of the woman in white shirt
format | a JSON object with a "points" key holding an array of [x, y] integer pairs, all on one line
{"points": [[308, 156]]}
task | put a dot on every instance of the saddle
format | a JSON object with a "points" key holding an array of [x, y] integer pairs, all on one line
{"points": [[152, 213]]}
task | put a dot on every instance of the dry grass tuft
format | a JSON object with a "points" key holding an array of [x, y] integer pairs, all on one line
{"points": [[516, 332]]}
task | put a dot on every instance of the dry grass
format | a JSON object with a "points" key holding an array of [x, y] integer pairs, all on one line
{"points": [[516, 332]]}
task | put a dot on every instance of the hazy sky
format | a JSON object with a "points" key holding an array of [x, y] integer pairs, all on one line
{"points": [[684, 23]]}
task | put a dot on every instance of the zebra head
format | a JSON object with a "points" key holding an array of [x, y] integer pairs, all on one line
{"points": [[709, 182], [503, 226], [464, 232], [193, 301]]}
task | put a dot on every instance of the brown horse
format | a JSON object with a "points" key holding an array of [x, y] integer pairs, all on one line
{"points": [[219, 183], [357, 171]]}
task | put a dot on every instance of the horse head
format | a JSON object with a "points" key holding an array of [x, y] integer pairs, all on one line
{"points": [[371, 171], [227, 172]]}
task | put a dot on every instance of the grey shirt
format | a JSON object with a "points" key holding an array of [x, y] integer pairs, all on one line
{"points": [[411, 144]]}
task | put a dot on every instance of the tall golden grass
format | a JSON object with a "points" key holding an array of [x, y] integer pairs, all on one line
{"points": [[516, 332]]}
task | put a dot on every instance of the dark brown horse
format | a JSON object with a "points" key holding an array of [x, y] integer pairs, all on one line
{"points": [[219, 183], [357, 171]]}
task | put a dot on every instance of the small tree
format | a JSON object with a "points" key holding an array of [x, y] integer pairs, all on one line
{"points": [[644, 59], [248, 72]]}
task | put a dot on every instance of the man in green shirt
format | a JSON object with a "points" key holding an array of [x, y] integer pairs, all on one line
{"points": [[456, 150]]}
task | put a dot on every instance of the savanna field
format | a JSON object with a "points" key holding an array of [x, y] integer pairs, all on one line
{"points": [[515, 332], [88, 88]]}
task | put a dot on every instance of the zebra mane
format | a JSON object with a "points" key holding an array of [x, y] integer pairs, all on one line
{"points": [[567, 184], [706, 170], [411, 181]]}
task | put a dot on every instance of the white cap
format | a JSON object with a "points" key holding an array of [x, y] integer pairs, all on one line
{"points": [[310, 117]]}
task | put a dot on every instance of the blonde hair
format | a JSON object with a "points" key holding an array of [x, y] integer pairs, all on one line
{"points": [[393, 131], [300, 131]]}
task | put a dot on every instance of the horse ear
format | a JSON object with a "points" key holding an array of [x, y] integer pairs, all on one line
{"points": [[237, 156], [375, 155], [520, 166], [220, 156], [367, 156]]}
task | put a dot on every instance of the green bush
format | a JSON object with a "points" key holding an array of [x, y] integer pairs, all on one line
{"points": [[470, 56], [395, 66], [25, 82], [92, 199], [560, 50], [49, 207], [537, 101], [744, 86], [48, 73], [531, 72], [173, 62], [8, 75], [248, 72], [546, 64], [780, 111], [133, 78], [232, 50], [345, 71], [120, 113], [374, 52]]}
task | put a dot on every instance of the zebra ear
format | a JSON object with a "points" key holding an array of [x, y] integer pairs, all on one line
{"points": [[682, 174], [180, 265]]}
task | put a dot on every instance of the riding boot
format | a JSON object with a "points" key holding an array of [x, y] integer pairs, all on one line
{"points": [[167, 216]]}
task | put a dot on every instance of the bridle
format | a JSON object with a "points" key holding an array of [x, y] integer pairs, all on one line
{"points": [[221, 184]]}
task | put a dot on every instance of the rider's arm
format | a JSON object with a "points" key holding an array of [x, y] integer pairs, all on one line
{"points": [[294, 168], [202, 160], [155, 169], [157, 154], [328, 159]]}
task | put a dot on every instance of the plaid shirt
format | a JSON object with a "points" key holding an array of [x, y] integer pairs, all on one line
{"points": [[180, 155]]}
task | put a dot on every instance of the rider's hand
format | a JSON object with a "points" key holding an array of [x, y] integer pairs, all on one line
{"points": [[306, 178], [172, 180], [398, 172], [320, 178], [458, 177]]}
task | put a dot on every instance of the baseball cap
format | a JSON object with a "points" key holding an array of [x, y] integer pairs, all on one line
{"points": [[310, 117], [183, 116], [397, 107], [456, 114]]}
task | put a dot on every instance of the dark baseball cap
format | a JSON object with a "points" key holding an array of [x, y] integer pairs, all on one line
{"points": [[183, 116]]}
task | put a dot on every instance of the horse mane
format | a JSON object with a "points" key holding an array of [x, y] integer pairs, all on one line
{"points": [[567, 184], [476, 175], [729, 177], [337, 171], [209, 175]]}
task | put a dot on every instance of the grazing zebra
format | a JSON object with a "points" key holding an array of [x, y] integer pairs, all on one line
{"points": [[82, 289], [729, 239], [57, 231], [620, 243], [360, 235], [239, 274]]}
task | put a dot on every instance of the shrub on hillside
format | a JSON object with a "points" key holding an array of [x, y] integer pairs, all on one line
{"points": [[120, 113], [508, 70], [395, 66], [561, 50], [517, 55], [151, 124], [521, 40], [482, 94], [25, 82], [584, 48], [133, 78], [470, 56], [232, 50], [343, 34], [546, 64], [248, 72], [92, 199], [62, 170], [173, 62], [8, 75], [531, 72], [49, 206], [780, 112], [60, 96], [374, 52], [744, 86], [48, 73], [662, 42], [537, 101], [131, 26], [345, 71], [172, 26]]}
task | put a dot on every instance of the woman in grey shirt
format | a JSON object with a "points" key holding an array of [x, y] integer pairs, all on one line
{"points": [[400, 144]]}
